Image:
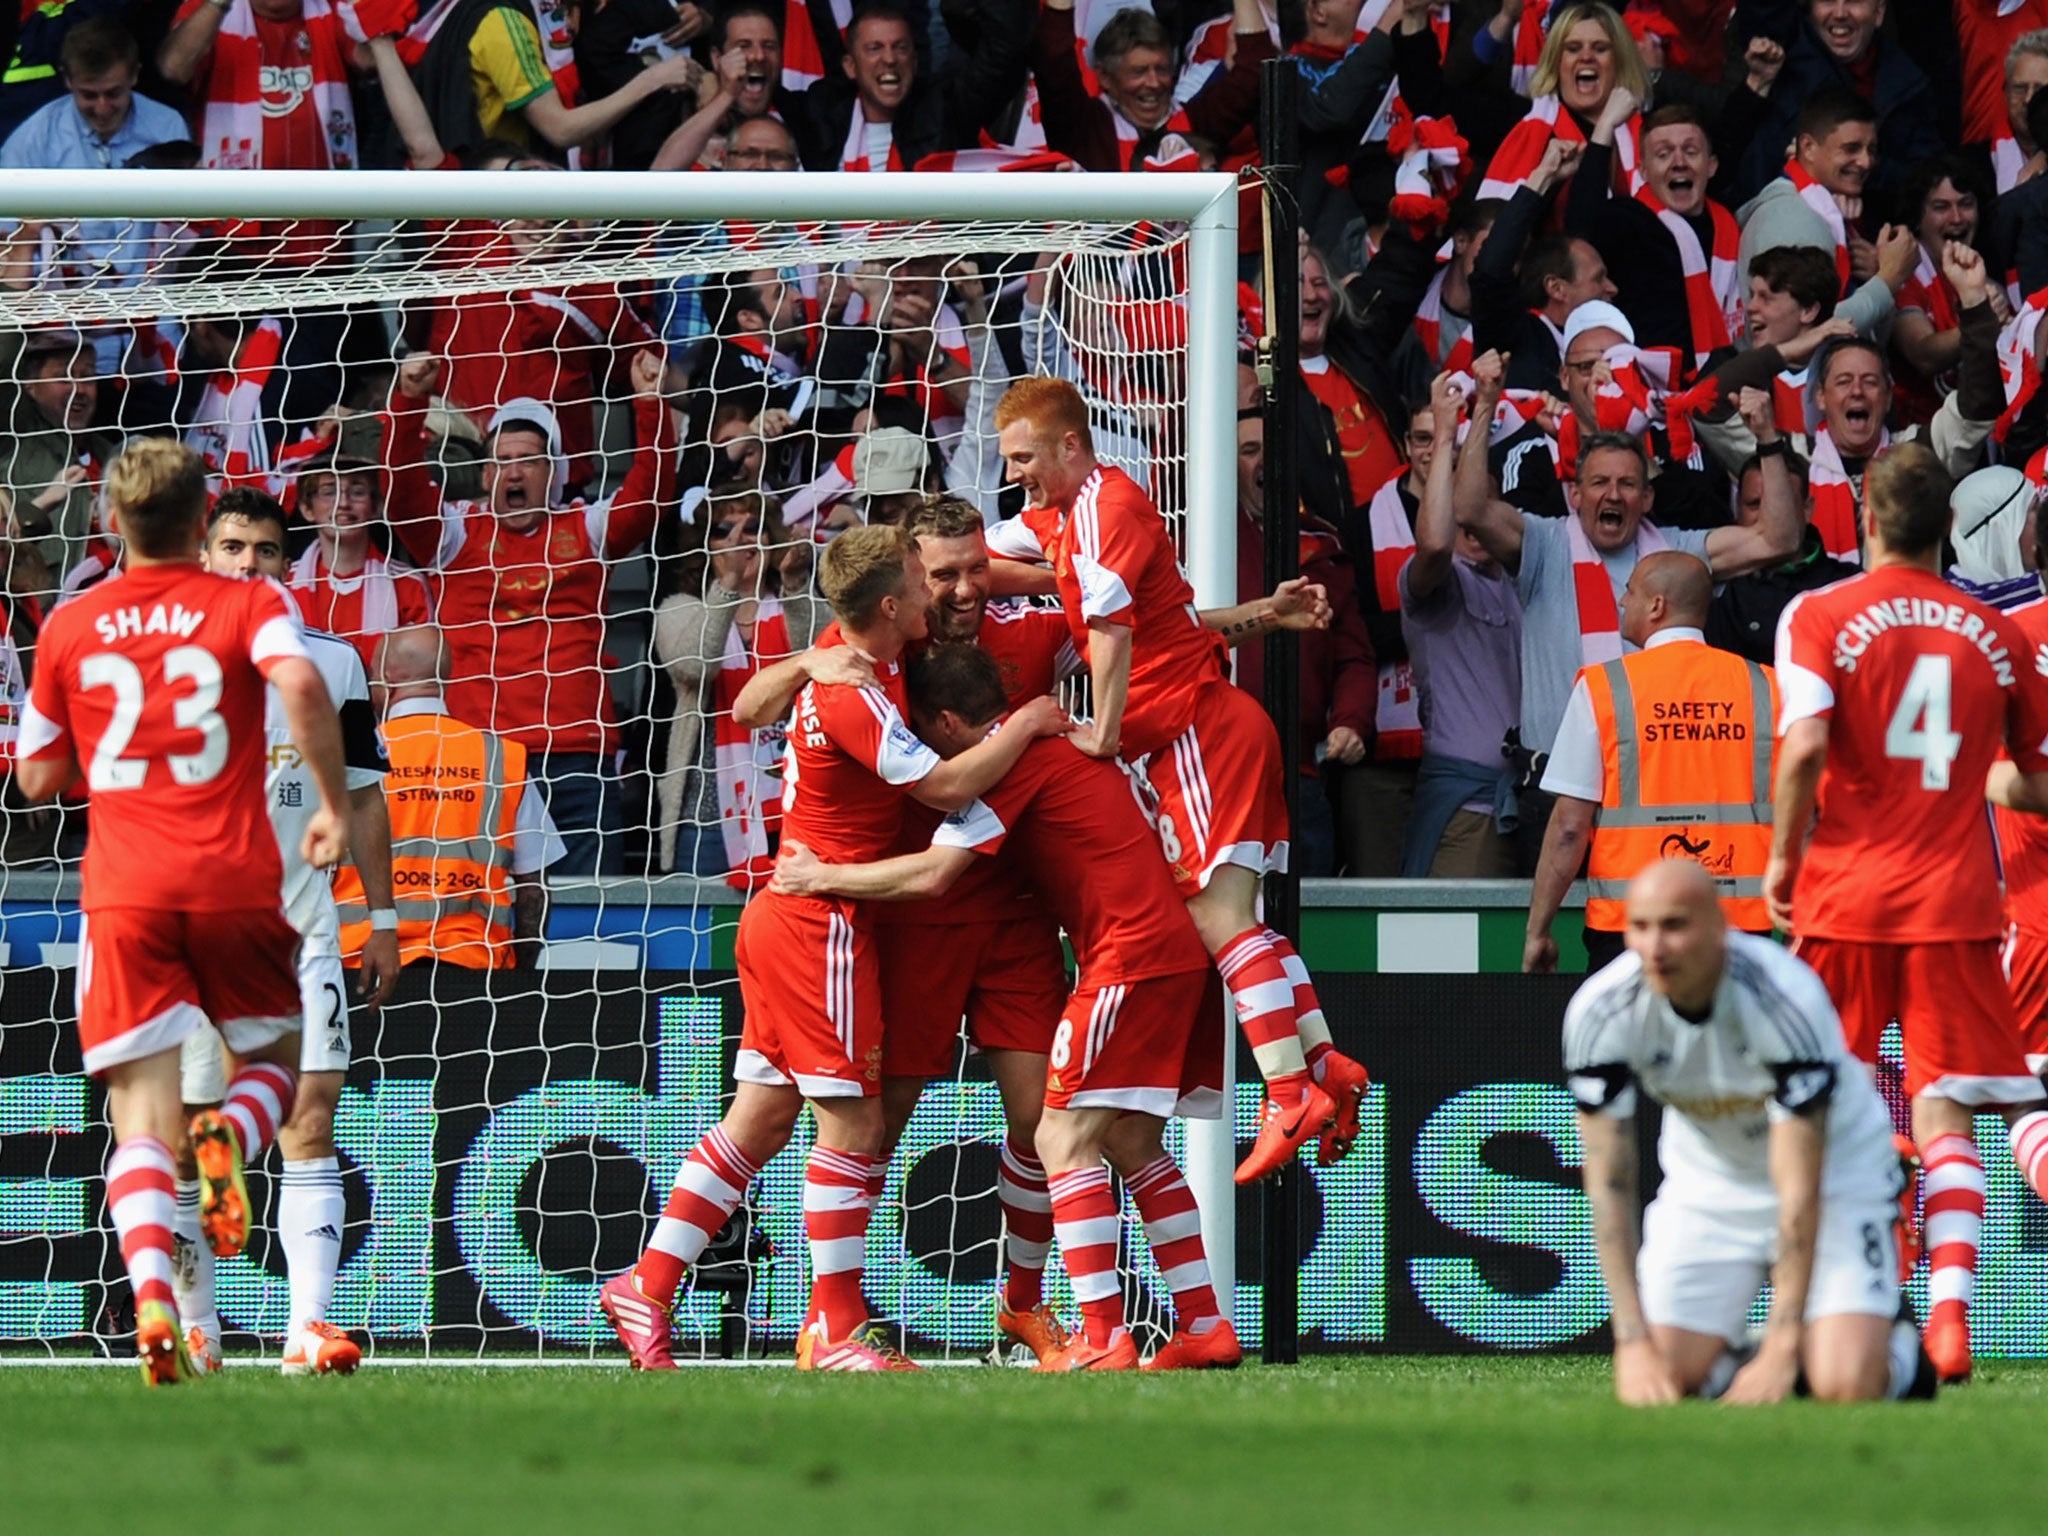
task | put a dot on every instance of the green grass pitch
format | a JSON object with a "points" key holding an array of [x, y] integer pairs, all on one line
{"points": [[1354, 1445]]}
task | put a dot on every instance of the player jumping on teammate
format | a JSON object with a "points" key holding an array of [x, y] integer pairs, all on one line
{"points": [[152, 689], [1163, 703]]}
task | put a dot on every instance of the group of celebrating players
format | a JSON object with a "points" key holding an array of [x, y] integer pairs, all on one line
{"points": [[945, 823]]}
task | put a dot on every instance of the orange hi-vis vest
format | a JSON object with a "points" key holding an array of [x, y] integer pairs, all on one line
{"points": [[453, 793], [1687, 747]]}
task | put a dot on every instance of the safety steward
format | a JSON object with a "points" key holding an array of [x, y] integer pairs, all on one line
{"points": [[1664, 753]]}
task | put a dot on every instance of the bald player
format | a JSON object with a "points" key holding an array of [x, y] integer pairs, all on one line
{"points": [[1664, 752], [1777, 1164]]}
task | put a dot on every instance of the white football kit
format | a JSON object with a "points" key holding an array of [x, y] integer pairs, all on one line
{"points": [[1771, 1047], [308, 892]]}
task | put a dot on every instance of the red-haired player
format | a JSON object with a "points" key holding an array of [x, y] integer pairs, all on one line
{"points": [[155, 684], [1164, 703]]}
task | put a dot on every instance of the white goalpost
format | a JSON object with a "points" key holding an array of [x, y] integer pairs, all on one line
{"points": [[1126, 284]]}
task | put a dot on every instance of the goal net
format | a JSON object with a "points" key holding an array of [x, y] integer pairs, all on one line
{"points": [[690, 385]]}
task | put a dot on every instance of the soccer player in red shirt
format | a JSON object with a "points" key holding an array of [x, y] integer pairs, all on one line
{"points": [[1898, 692], [813, 1031], [2023, 854], [1164, 703], [1132, 1047], [156, 684]]}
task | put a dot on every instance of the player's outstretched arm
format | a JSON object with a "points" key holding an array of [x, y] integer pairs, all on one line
{"points": [[1802, 753], [1295, 604], [959, 781], [770, 692], [1798, 1143], [1109, 674], [2006, 786], [1642, 1377], [316, 730], [1014, 578], [1564, 851], [908, 877], [369, 834]]}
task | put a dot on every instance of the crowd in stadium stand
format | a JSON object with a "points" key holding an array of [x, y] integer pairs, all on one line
{"points": [[1653, 247]]}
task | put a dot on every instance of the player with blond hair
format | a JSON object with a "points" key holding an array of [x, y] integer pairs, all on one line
{"points": [[151, 689]]}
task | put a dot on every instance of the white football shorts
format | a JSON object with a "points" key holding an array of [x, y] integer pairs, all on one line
{"points": [[1700, 1269]]}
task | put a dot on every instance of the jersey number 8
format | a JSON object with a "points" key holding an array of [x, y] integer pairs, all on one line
{"points": [[194, 711]]}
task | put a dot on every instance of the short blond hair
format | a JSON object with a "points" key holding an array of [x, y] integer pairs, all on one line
{"points": [[860, 568], [1052, 406], [1628, 60], [157, 488]]}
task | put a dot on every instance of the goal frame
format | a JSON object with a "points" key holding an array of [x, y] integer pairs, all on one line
{"points": [[1205, 202]]}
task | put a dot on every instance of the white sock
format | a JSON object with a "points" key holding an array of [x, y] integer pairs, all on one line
{"points": [[310, 1213], [192, 1266], [1905, 1358]]}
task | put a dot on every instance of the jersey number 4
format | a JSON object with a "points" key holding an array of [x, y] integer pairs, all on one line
{"points": [[1919, 731], [194, 711]]}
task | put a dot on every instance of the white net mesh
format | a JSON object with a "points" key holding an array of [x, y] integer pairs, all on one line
{"points": [[506, 1136]]}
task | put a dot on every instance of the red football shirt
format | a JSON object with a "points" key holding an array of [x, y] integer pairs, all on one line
{"points": [[156, 682], [1084, 845], [849, 760], [1920, 686], [1033, 651], [2022, 839], [1113, 559]]}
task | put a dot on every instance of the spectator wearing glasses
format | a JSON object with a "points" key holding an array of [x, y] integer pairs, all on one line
{"points": [[743, 601]]}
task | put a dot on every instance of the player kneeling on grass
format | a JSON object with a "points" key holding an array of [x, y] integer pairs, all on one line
{"points": [[1777, 1160], [1137, 1042], [245, 541], [157, 681]]}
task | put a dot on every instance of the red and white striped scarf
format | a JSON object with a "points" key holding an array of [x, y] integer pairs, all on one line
{"points": [[1522, 150], [1641, 395], [1433, 162], [1822, 202], [1713, 295], [1529, 32], [749, 762], [231, 125], [1788, 402], [227, 430], [854, 157], [803, 59], [377, 582], [997, 157], [1599, 617], [1393, 540], [1429, 330], [2019, 363], [1930, 293], [1834, 496], [1397, 714]]}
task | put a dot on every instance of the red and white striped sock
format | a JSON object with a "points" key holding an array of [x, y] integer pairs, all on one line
{"points": [[1310, 1026], [259, 1101], [1085, 1219], [1027, 1225], [1953, 1198], [836, 1206], [142, 1197], [1173, 1230], [1264, 999], [2030, 1149], [708, 1189]]}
